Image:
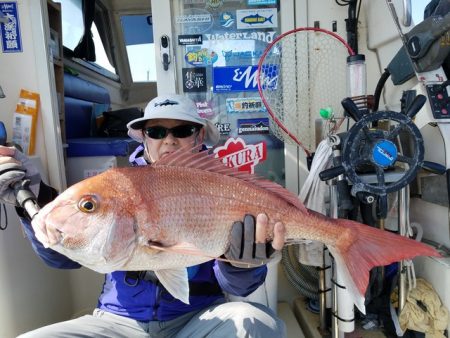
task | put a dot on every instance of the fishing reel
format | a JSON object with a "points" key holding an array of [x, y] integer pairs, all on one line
{"points": [[372, 159]]}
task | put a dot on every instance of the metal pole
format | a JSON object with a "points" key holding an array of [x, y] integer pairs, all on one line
{"points": [[334, 214], [323, 296], [403, 208], [322, 310]]}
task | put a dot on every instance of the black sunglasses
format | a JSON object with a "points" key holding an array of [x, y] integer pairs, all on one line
{"points": [[183, 131]]}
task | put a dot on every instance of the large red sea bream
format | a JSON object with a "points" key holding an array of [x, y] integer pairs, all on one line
{"points": [[179, 211]]}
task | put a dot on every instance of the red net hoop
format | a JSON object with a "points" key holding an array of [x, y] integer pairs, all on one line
{"points": [[299, 73]]}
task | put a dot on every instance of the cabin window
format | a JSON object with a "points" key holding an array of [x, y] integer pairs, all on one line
{"points": [[417, 10], [73, 29], [138, 35]]}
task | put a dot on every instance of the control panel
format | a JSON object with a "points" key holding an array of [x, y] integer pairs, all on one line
{"points": [[439, 100]]}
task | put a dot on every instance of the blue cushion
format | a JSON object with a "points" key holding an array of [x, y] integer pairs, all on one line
{"points": [[78, 117], [78, 88], [100, 146]]}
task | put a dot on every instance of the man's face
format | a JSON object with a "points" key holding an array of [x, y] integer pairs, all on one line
{"points": [[158, 148]]}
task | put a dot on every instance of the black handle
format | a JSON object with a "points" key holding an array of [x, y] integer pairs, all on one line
{"points": [[165, 61], [434, 167], [351, 109], [416, 105], [331, 173]]}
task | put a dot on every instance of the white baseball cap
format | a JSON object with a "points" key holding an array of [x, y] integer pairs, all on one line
{"points": [[177, 107]]}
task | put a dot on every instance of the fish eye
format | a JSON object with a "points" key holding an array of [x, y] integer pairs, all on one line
{"points": [[87, 204]]}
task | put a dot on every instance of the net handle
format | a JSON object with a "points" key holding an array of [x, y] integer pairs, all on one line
{"points": [[259, 70]]}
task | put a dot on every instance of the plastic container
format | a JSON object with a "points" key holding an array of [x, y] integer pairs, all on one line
{"points": [[356, 75]]}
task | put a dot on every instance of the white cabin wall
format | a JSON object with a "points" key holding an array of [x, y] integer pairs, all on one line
{"points": [[33, 294], [384, 41]]}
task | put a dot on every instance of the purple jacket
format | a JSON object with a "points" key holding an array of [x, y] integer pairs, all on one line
{"points": [[143, 299]]}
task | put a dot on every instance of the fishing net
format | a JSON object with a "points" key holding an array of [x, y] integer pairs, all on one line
{"points": [[300, 73]]}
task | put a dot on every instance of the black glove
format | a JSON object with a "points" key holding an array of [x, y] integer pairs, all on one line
{"points": [[243, 247]]}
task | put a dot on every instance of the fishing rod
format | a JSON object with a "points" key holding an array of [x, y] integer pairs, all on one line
{"points": [[24, 196]]}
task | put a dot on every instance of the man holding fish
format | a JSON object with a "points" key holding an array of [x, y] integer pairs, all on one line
{"points": [[166, 302]]}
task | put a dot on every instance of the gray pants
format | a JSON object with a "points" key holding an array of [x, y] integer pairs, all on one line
{"points": [[233, 319]]}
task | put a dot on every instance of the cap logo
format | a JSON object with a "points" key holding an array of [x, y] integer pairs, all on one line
{"points": [[166, 103]]}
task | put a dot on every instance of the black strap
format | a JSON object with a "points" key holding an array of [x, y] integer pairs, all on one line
{"points": [[132, 278]]}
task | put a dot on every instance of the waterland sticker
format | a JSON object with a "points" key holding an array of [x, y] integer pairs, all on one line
{"points": [[266, 37]]}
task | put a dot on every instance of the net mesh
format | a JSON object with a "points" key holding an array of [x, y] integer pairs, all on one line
{"points": [[299, 74]]}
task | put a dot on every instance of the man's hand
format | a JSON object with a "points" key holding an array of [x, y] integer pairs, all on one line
{"points": [[15, 166], [249, 243]]}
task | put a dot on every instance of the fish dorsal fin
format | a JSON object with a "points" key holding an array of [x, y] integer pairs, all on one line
{"points": [[202, 160]]}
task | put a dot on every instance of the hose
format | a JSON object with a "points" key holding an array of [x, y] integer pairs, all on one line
{"points": [[380, 85], [304, 278]]}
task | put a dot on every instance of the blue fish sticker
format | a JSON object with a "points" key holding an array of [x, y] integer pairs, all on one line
{"points": [[257, 18]]}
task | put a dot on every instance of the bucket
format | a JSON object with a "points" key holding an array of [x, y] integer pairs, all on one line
{"points": [[267, 293]]}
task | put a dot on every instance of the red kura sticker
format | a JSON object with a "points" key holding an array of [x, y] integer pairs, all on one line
{"points": [[236, 154]]}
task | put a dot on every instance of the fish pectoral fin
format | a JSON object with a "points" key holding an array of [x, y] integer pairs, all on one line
{"points": [[176, 283], [240, 263], [184, 248]]}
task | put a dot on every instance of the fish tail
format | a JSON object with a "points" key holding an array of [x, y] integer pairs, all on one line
{"points": [[361, 247]]}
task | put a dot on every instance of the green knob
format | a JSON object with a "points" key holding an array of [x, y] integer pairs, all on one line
{"points": [[326, 113]]}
